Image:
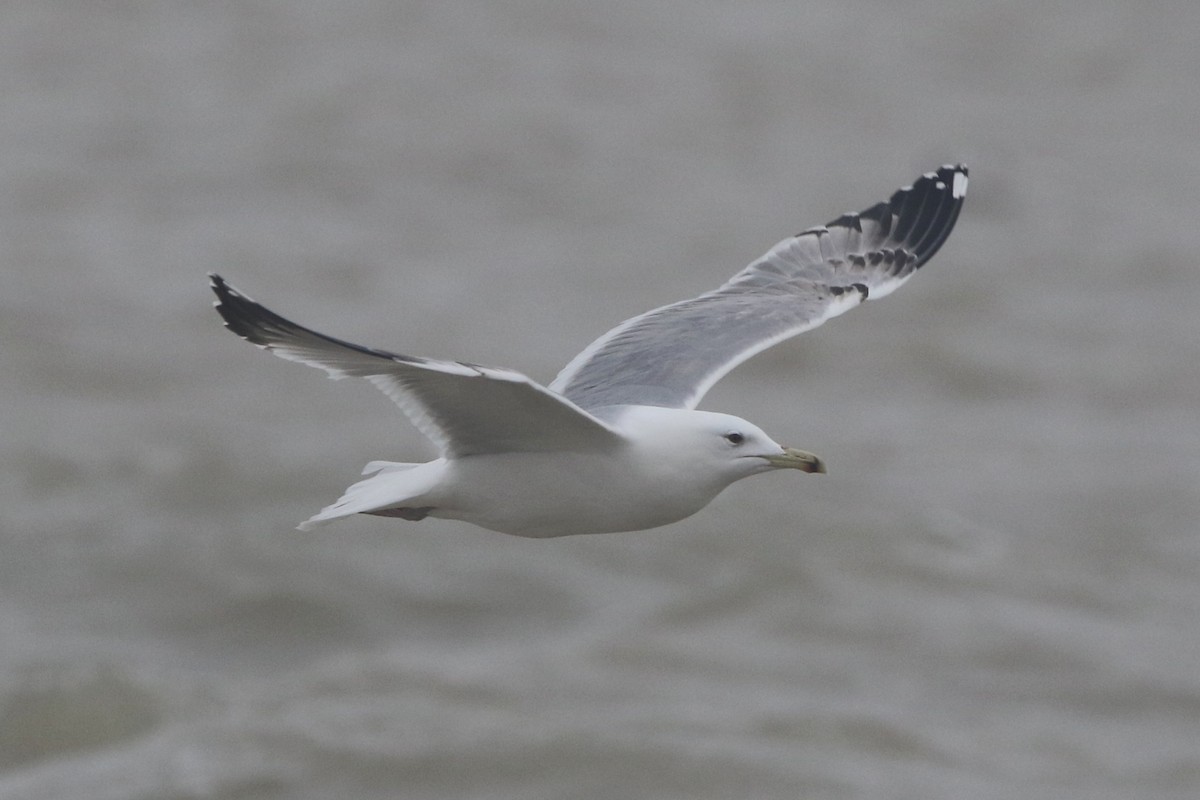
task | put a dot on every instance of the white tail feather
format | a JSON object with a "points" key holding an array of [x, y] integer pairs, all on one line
{"points": [[391, 484], [386, 466]]}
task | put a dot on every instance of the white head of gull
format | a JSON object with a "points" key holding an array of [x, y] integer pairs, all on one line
{"points": [[615, 442]]}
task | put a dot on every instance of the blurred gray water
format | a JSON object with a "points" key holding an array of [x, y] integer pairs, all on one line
{"points": [[994, 594]]}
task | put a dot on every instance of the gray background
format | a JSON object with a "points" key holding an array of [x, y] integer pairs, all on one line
{"points": [[993, 594]]}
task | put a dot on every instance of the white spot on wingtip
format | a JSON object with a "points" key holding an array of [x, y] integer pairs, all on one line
{"points": [[940, 186], [960, 185]]}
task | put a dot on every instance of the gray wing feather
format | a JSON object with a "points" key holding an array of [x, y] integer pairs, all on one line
{"points": [[672, 355], [466, 409]]}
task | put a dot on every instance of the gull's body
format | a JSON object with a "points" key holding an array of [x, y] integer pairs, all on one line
{"points": [[615, 442], [636, 482]]}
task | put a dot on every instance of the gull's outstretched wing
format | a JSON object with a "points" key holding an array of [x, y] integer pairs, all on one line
{"points": [[671, 356], [465, 409]]}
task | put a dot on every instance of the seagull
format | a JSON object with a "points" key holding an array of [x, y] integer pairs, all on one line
{"points": [[615, 442]]}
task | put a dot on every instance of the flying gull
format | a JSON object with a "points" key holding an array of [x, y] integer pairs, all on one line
{"points": [[615, 442]]}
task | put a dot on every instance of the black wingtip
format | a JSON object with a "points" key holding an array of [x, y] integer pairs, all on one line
{"points": [[261, 326], [917, 219], [926, 211], [243, 316], [220, 288]]}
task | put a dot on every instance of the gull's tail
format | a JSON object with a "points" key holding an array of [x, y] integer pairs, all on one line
{"points": [[392, 487]]}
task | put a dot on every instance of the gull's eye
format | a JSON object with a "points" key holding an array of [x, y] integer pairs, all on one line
{"points": [[733, 437]]}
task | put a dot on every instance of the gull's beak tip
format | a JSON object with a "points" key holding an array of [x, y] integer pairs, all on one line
{"points": [[791, 458]]}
